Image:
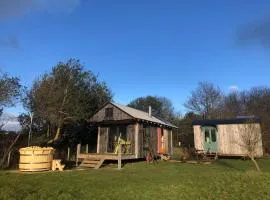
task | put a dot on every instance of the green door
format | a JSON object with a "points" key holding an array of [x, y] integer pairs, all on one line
{"points": [[210, 139]]}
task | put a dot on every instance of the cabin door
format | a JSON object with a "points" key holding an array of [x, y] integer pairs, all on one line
{"points": [[210, 139]]}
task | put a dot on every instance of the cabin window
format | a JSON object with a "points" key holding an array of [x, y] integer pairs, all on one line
{"points": [[213, 135], [123, 132], [207, 135], [109, 113], [116, 133]]}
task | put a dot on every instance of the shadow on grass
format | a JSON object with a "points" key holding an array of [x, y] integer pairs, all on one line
{"points": [[227, 164]]}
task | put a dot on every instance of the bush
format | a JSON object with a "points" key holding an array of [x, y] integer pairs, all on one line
{"points": [[181, 154]]}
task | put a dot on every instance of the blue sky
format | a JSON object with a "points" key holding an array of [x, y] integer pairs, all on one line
{"points": [[139, 47]]}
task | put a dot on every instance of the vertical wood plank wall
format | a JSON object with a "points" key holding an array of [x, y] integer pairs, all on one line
{"points": [[169, 141], [103, 140], [230, 142], [137, 137], [153, 136], [159, 139], [171, 153], [198, 138], [166, 139], [131, 137], [140, 141], [228, 139], [117, 114], [135, 134]]}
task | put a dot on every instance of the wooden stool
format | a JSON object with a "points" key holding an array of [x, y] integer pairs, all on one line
{"points": [[56, 164]]}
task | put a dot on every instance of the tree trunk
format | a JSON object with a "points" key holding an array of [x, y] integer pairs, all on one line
{"points": [[57, 135], [2, 162], [48, 131], [255, 163]]}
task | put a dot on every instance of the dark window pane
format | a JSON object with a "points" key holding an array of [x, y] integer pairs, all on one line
{"points": [[123, 132], [109, 112], [213, 135], [206, 135]]}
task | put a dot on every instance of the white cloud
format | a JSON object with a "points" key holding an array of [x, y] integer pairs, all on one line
{"points": [[12, 126], [233, 88], [10, 122]]}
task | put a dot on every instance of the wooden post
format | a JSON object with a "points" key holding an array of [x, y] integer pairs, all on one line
{"points": [[171, 142], [98, 140], [119, 157], [137, 140], [68, 154], [78, 152], [86, 148]]}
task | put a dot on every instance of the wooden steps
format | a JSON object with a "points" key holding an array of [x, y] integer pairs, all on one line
{"points": [[91, 163]]}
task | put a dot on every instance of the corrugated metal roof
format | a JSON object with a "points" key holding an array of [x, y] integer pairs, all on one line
{"points": [[138, 114]]}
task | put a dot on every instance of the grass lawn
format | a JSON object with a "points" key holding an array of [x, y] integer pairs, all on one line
{"points": [[226, 179]]}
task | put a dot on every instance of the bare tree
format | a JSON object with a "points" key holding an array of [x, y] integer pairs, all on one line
{"points": [[8, 150], [251, 141], [205, 100]]}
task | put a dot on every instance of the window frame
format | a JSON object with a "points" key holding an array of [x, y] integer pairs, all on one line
{"points": [[108, 113], [209, 130]]}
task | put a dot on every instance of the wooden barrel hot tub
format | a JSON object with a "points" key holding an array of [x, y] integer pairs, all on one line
{"points": [[34, 159]]}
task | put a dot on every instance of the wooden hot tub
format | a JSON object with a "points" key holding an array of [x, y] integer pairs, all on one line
{"points": [[36, 159]]}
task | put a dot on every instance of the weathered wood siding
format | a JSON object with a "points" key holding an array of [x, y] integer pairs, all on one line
{"points": [[153, 139], [230, 142], [170, 142], [131, 137], [228, 139], [165, 135], [140, 141], [198, 137], [136, 142], [103, 140], [152, 134], [117, 114], [147, 139]]}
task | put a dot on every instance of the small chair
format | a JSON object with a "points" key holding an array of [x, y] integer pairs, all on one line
{"points": [[56, 164], [125, 146]]}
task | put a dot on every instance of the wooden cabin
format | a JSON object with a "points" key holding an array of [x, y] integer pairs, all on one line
{"points": [[138, 132], [225, 137]]}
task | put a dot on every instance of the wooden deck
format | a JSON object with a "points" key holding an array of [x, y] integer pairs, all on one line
{"points": [[105, 156]]}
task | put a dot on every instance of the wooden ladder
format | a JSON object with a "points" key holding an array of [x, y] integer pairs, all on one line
{"points": [[90, 163]]}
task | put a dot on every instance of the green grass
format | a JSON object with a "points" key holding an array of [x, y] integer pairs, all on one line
{"points": [[226, 179]]}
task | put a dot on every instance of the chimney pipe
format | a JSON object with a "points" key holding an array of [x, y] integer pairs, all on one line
{"points": [[150, 111]]}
